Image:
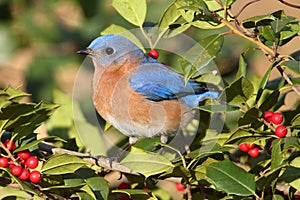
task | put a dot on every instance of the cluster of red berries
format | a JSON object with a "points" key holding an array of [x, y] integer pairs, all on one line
{"points": [[21, 163], [276, 118], [250, 149]]}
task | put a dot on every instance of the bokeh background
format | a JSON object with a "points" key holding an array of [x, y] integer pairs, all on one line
{"points": [[38, 40]]}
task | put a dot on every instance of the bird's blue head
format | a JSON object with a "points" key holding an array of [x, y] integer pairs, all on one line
{"points": [[111, 48]]}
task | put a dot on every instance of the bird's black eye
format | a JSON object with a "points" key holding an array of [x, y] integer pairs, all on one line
{"points": [[109, 50]]}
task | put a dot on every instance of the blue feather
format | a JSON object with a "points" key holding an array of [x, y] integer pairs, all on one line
{"points": [[157, 82]]}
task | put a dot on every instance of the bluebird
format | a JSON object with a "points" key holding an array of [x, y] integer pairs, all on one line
{"points": [[137, 94]]}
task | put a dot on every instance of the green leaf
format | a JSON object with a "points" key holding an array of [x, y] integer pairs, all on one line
{"points": [[264, 81], [13, 193], [89, 134], [170, 15], [116, 29], [219, 108], [267, 178], [238, 92], [97, 183], [202, 55], [227, 3], [203, 17], [134, 11], [15, 95], [242, 71], [230, 178], [255, 21], [289, 31], [276, 156], [25, 118], [36, 142], [200, 170], [250, 117], [146, 163], [131, 192], [292, 176], [62, 164], [270, 101], [246, 135], [178, 30], [268, 33], [293, 65]]}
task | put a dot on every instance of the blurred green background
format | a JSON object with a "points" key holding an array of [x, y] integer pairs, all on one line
{"points": [[39, 40]]}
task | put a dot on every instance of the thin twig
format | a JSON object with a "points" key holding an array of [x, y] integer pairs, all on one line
{"points": [[245, 6], [289, 4], [102, 161], [288, 80]]}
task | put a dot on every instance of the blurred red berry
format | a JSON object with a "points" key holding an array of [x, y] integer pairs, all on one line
{"points": [[281, 131], [35, 176], [277, 118], [146, 189], [268, 115], [24, 155], [244, 147], [3, 162], [153, 53], [10, 145], [124, 185], [24, 175], [253, 152], [179, 187], [296, 196], [32, 162], [16, 170], [124, 197]]}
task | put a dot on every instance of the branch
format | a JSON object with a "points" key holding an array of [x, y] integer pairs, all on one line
{"points": [[264, 48], [289, 4], [102, 161], [288, 80]]}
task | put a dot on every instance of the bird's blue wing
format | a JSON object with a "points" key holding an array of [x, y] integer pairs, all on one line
{"points": [[157, 82]]}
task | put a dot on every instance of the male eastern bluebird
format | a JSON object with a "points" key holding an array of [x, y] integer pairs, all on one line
{"points": [[137, 94]]}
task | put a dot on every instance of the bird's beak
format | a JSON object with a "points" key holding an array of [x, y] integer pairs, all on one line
{"points": [[87, 51]]}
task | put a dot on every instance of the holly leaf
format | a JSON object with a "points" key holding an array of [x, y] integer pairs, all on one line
{"points": [[230, 178]]}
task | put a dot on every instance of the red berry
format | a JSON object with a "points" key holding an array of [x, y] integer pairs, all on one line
{"points": [[253, 152], [124, 197], [244, 147], [16, 170], [24, 175], [32, 162], [146, 189], [3, 162], [10, 145], [35, 176], [24, 155], [296, 196], [281, 131], [124, 185], [268, 115], [277, 118], [153, 53], [179, 187]]}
